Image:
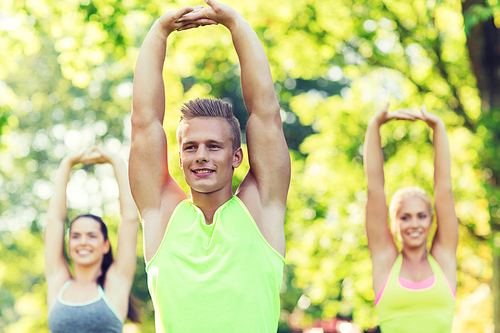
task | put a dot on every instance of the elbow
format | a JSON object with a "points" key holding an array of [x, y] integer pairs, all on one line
{"points": [[375, 189], [136, 118], [130, 213], [141, 123], [141, 117], [266, 106], [443, 191]]}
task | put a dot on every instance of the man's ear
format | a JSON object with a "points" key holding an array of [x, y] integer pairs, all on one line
{"points": [[180, 159], [237, 157]]}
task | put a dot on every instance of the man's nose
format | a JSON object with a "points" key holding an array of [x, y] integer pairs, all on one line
{"points": [[202, 154]]}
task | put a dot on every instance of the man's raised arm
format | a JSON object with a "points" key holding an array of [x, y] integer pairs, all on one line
{"points": [[267, 149], [149, 174], [268, 153]]}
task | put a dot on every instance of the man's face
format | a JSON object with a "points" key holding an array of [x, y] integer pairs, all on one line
{"points": [[206, 154]]}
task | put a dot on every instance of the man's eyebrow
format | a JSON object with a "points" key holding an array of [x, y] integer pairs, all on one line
{"points": [[215, 141], [208, 141]]}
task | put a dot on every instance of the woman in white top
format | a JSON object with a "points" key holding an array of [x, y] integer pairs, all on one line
{"points": [[98, 292]]}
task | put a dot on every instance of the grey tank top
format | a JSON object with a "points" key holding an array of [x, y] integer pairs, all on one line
{"points": [[93, 316]]}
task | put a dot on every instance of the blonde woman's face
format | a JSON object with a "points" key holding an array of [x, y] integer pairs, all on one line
{"points": [[414, 222]]}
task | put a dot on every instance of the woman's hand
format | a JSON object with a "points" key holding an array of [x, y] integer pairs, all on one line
{"points": [[91, 155], [384, 116], [431, 119]]}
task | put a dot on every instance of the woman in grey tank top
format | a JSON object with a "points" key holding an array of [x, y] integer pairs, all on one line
{"points": [[96, 296]]}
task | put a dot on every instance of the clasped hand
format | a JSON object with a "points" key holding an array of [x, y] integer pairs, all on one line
{"points": [[92, 155], [193, 17], [431, 119]]}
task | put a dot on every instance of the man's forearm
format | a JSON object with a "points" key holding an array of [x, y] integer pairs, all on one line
{"points": [[149, 90], [256, 80]]}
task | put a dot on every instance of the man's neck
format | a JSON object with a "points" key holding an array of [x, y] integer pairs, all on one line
{"points": [[208, 203]]}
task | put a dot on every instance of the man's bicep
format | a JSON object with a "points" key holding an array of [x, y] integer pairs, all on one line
{"points": [[148, 169], [269, 157]]}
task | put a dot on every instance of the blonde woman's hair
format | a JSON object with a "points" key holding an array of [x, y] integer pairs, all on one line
{"points": [[399, 196]]}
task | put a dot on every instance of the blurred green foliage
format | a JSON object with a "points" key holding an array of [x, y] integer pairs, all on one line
{"points": [[66, 71]]}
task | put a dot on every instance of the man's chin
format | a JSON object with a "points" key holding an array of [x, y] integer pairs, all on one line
{"points": [[202, 189]]}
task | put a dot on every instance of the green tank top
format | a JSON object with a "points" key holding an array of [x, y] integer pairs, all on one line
{"points": [[404, 310], [223, 277]]}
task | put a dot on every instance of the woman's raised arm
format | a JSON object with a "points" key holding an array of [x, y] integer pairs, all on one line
{"points": [[383, 249], [120, 274], [444, 245], [126, 256], [56, 266]]}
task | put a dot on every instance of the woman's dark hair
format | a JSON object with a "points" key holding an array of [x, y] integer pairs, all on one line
{"points": [[107, 260]]}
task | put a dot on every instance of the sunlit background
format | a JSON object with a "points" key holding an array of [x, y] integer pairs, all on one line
{"points": [[66, 71]]}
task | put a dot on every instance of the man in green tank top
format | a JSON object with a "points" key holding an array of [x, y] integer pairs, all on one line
{"points": [[215, 261]]}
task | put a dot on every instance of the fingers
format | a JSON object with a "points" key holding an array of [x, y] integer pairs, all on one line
{"points": [[94, 155], [193, 16], [412, 112], [185, 10], [431, 119], [382, 113], [384, 116], [211, 3], [403, 115], [423, 111], [386, 107], [200, 16], [188, 26], [103, 151], [196, 24], [168, 22], [206, 21]]}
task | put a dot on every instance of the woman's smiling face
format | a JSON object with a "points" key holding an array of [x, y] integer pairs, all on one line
{"points": [[86, 244], [414, 222]]}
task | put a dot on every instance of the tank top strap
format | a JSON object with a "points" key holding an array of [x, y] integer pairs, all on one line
{"points": [[439, 274], [436, 269], [396, 267], [254, 224], [63, 289], [105, 298]]}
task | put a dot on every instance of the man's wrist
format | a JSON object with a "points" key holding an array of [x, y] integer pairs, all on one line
{"points": [[160, 29], [235, 22]]}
